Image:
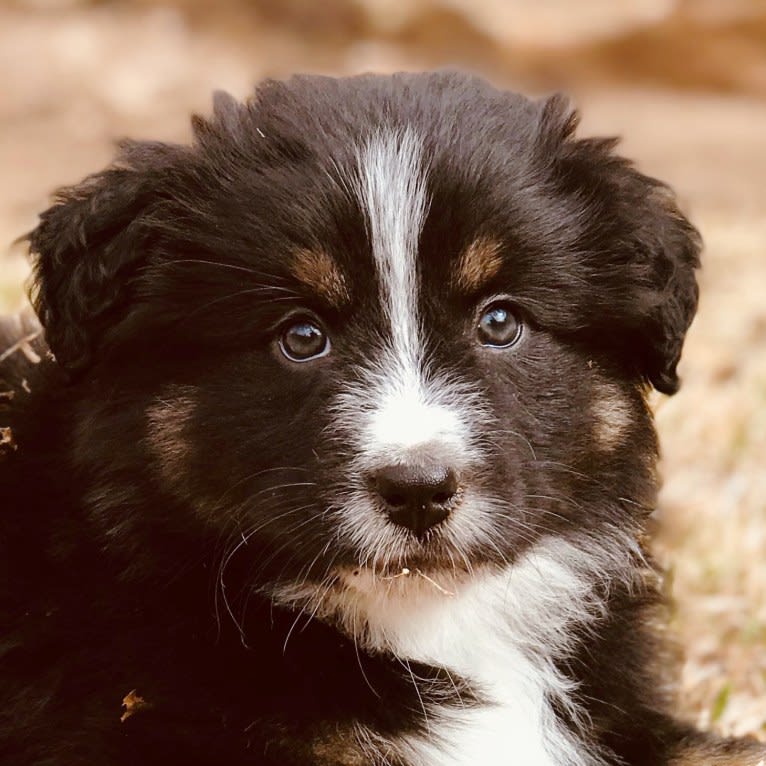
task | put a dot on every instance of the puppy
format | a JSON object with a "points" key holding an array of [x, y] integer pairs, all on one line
{"points": [[336, 450]]}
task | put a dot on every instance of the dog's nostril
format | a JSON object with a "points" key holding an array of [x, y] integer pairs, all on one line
{"points": [[417, 497], [394, 499]]}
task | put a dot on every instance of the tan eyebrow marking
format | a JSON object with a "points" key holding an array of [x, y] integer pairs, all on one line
{"points": [[479, 263], [317, 270]]}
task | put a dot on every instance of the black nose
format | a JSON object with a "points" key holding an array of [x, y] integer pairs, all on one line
{"points": [[417, 497]]}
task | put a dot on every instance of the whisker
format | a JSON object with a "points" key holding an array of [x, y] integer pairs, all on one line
{"points": [[226, 559], [217, 264], [355, 634], [255, 475], [420, 698]]}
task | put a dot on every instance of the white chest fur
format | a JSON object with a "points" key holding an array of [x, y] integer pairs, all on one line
{"points": [[501, 632], [514, 724]]}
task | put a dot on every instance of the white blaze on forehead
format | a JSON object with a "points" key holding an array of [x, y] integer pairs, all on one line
{"points": [[392, 189]]}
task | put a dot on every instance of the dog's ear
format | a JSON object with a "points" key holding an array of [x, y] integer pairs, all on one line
{"points": [[638, 251], [85, 249], [667, 249]]}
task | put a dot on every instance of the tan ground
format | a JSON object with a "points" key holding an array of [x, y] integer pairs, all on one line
{"points": [[76, 77]]}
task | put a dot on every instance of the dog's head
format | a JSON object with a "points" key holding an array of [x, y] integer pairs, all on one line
{"points": [[374, 323]]}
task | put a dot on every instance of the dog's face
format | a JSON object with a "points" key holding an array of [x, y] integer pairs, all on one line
{"points": [[366, 325]]}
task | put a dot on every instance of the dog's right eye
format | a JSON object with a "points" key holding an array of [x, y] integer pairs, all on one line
{"points": [[303, 341], [499, 325]]}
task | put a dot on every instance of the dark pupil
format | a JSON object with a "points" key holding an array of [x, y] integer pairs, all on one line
{"points": [[498, 326], [304, 340]]}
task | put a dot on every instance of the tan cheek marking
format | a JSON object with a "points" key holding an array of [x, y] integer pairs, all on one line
{"points": [[479, 263], [317, 270], [354, 746], [7, 440], [338, 753], [166, 438], [613, 415]]}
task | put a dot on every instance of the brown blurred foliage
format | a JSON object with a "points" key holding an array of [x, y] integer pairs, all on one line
{"points": [[692, 44]]}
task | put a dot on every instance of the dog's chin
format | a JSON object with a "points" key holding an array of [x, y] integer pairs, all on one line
{"points": [[439, 557], [418, 572], [420, 577], [400, 556]]}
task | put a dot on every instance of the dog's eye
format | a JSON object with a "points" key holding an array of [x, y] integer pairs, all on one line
{"points": [[303, 341], [499, 326]]}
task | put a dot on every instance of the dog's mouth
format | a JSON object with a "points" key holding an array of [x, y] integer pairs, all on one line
{"points": [[398, 553], [418, 571], [441, 580]]}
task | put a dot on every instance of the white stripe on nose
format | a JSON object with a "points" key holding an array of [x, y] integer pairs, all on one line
{"points": [[404, 422]]}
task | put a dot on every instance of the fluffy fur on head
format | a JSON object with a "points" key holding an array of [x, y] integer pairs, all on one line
{"points": [[344, 455]]}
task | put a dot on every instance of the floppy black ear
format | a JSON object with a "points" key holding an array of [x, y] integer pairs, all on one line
{"points": [[85, 249], [667, 295], [638, 252]]}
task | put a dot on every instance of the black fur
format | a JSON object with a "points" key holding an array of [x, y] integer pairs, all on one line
{"points": [[167, 276]]}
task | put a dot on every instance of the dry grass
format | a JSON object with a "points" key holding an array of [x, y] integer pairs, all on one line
{"points": [[714, 498], [710, 147], [713, 504]]}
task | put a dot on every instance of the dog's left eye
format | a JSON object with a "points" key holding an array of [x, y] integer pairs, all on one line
{"points": [[304, 340], [499, 326]]}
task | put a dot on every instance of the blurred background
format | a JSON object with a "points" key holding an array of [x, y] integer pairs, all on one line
{"points": [[683, 81]]}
